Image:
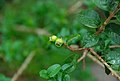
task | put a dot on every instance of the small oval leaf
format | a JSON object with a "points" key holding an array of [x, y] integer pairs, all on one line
{"points": [[66, 78], [65, 66], [59, 77], [43, 74], [89, 18], [53, 70]]}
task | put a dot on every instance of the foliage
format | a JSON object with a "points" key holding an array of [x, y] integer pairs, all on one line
{"points": [[20, 35], [3, 78], [107, 5], [57, 72], [88, 20]]}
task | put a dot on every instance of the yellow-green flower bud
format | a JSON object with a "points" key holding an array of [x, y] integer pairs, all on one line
{"points": [[59, 42], [53, 38]]}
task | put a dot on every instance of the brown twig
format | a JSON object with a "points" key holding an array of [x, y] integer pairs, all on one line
{"points": [[74, 7], [117, 46], [84, 63], [99, 58], [37, 31], [95, 59], [108, 19], [23, 66], [83, 56], [72, 48]]}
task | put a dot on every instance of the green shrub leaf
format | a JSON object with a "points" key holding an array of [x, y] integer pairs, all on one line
{"points": [[59, 77], [66, 78], [70, 69], [89, 18], [106, 4], [43, 74], [89, 40], [53, 70], [3, 78], [66, 66], [115, 38], [113, 58]]}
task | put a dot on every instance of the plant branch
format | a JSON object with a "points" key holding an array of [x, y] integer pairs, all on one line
{"points": [[117, 46], [84, 63], [94, 59], [99, 58], [37, 31], [23, 66], [108, 20], [83, 56], [72, 48], [75, 7]]}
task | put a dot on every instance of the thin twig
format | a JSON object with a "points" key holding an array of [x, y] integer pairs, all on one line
{"points": [[99, 58], [83, 56], [23, 66], [37, 31], [75, 7], [95, 59], [108, 20], [72, 48], [84, 63], [117, 46]]}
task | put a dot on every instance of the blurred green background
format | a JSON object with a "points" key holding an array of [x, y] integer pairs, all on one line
{"points": [[24, 27]]}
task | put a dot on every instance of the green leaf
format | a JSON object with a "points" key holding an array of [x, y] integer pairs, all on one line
{"points": [[89, 18], [73, 39], [66, 66], [72, 66], [3, 78], [53, 70], [118, 16], [70, 69], [112, 27], [89, 3], [90, 40], [64, 32], [116, 67], [66, 78], [107, 42], [113, 58], [59, 76], [43, 74], [115, 38], [107, 5], [74, 62]]}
